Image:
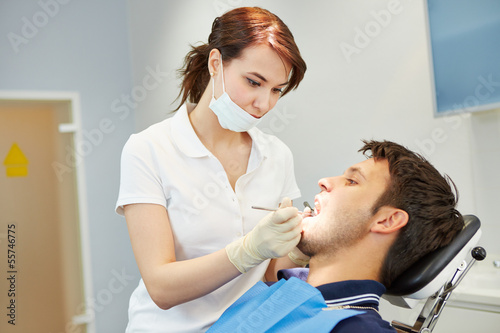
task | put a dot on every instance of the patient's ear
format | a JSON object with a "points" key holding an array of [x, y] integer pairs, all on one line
{"points": [[389, 219]]}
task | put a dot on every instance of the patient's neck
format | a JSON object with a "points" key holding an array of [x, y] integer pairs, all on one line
{"points": [[351, 264]]}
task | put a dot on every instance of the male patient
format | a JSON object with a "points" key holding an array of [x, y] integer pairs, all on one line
{"points": [[371, 224]]}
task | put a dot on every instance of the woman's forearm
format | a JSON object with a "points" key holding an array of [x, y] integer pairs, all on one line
{"points": [[174, 283]]}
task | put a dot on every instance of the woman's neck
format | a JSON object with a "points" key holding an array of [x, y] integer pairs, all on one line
{"points": [[209, 131]]}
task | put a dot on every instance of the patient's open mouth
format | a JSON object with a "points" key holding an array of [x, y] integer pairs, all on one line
{"points": [[317, 206]]}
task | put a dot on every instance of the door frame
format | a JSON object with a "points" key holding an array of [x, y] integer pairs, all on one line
{"points": [[73, 100]]}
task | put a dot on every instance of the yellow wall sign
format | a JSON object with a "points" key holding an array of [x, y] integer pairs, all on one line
{"points": [[16, 163]]}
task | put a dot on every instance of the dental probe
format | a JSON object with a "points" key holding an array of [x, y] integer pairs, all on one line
{"points": [[275, 209], [264, 208], [268, 209], [306, 204]]}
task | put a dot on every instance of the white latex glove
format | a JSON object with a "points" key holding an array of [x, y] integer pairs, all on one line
{"points": [[298, 258], [273, 237]]}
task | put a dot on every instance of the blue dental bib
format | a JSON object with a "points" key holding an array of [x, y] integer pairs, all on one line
{"points": [[287, 306]]}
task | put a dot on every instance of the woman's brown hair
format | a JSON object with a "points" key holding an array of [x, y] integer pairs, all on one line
{"points": [[231, 34]]}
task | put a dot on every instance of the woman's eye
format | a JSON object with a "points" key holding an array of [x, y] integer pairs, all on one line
{"points": [[253, 83], [277, 90]]}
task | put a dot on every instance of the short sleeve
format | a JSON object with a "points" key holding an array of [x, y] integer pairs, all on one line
{"points": [[140, 180]]}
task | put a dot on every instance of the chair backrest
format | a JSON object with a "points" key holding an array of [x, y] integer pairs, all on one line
{"points": [[429, 273]]}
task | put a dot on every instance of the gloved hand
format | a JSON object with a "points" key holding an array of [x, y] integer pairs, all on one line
{"points": [[273, 237], [298, 258]]}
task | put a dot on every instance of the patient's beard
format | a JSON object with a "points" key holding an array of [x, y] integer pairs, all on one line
{"points": [[329, 236]]}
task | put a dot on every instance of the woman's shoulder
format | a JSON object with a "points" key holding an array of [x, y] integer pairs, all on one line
{"points": [[155, 129], [155, 134]]}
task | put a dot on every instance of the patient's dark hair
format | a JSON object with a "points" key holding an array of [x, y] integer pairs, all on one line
{"points": [[427, 196]]}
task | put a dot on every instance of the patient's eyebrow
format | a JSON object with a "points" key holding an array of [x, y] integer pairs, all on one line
{"points": [[356, 170]]}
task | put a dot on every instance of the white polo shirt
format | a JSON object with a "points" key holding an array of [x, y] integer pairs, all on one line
{"points": [[167, 164]]}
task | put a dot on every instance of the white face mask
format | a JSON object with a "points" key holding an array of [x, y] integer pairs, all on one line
{"points": [[230, 115]]}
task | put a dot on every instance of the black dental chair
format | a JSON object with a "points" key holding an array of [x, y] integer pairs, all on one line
{"points": [[435, 276]]}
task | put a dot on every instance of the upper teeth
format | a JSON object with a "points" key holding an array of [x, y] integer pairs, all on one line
{"points": [[317, 207]]}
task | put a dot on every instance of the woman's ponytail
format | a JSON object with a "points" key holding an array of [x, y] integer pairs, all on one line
{"points": [[195, 74]]}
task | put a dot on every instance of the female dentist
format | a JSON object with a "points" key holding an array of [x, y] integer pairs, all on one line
{"points": [[188, 182]]}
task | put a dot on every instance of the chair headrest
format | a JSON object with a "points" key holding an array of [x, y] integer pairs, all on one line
{"points": [[428, 267]]}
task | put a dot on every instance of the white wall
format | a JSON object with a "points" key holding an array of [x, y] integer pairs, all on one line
{"points": [[82, 46], [381, 90]]}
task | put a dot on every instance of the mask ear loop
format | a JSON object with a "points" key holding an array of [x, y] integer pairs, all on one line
{"points": [[213, 85], [222, 73], [213, 80]]}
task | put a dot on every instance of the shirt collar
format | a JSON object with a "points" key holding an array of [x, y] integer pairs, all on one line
{"points": [[260, 141], [188, 142], [184, 135], [352, 292]]}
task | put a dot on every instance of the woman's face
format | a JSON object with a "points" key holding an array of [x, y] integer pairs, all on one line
{"points": [[255, 80]]}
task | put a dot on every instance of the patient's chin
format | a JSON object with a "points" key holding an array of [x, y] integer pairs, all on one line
{"points": [[307, 222], [305, 248], [307, 230]]}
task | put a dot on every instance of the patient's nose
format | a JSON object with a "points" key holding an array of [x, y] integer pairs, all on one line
{"points": [[326, 184]]}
